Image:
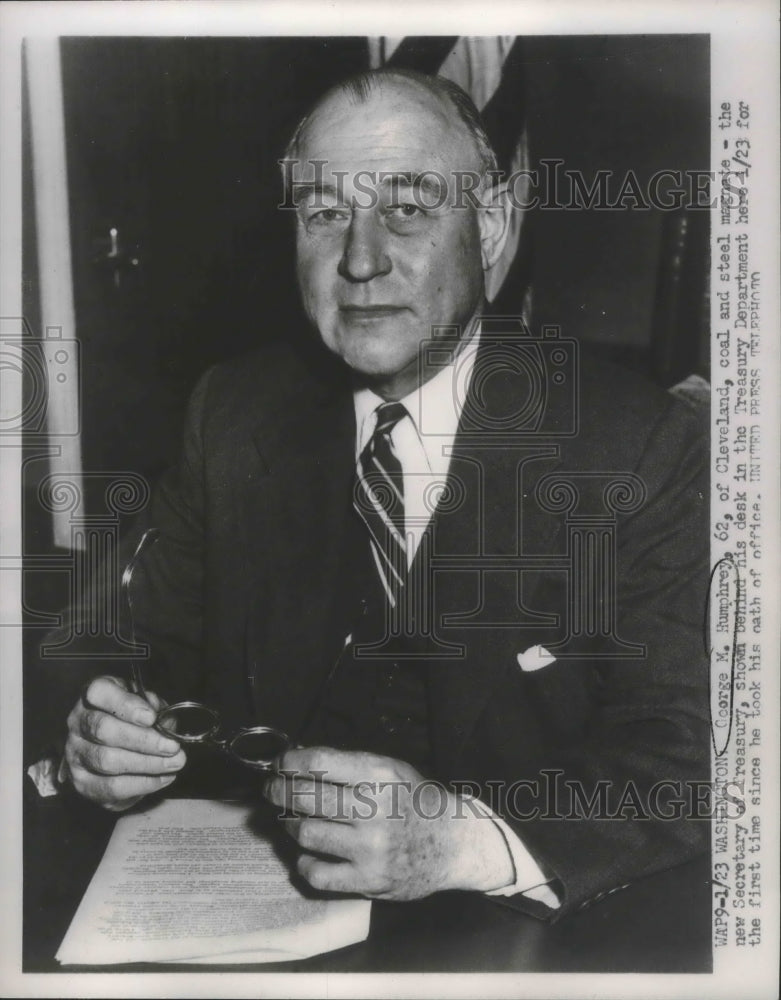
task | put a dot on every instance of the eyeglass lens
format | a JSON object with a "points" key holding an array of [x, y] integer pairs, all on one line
{"points": [[191, 722]]}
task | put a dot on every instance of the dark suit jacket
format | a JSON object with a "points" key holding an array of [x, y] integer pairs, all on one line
{"points": [[239, 593]]}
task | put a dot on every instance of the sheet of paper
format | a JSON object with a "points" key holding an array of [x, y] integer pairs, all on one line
{"points": [[197, 880]]}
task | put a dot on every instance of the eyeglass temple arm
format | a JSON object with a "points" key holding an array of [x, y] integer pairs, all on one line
{"points": [[148, 539]]}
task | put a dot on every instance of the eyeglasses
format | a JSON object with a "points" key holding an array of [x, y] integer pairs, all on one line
{"points": [[191, 722]]}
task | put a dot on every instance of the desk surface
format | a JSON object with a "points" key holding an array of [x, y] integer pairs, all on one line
{"points": [[660, 924]]}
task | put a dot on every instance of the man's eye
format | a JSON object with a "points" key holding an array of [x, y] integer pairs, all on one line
{"points": [[408, 210], [331, 214], [327, 217]]}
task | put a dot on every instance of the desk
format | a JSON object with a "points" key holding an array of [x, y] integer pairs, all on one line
{"points": [[660, 924]]}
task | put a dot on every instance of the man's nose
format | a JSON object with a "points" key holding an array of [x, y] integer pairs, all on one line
{"points": [[365, 254]]}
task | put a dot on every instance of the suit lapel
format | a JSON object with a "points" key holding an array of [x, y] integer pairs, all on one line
{"points": [[481, 602]]}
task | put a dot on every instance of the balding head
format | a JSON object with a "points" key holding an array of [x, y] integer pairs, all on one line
{"points": [[433, 94]]}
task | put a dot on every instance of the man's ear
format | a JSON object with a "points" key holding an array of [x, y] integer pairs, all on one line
{"points": [[493, 218]]}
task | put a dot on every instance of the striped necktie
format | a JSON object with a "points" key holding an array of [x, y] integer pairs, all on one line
{"points": [[379, 499]]}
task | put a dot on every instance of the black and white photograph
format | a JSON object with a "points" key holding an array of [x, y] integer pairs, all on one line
{"points": [[390, 558]]}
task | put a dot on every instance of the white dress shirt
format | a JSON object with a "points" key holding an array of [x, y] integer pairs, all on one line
{"points": [[423, 444]]}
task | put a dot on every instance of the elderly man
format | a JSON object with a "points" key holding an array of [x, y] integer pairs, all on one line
{"points": [[357, 548]]}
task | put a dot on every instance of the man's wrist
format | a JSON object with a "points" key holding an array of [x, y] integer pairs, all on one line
{"points": [[481, 861]]}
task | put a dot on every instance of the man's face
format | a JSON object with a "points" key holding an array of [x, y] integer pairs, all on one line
{"points": [[377, 271]]}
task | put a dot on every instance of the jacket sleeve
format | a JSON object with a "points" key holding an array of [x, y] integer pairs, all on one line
{"points": [[167, 601]]}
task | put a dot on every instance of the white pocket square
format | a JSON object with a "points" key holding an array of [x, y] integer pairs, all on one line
{"points": [[535, 658]]}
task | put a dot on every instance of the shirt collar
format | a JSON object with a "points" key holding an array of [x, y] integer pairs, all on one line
{"points": [[434, 407]]}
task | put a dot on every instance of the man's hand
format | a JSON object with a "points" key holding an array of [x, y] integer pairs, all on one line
{"points": [[385, 831], [113, 756]]}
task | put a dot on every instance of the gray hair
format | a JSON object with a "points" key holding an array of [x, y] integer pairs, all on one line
{"points": [[362, 85]]}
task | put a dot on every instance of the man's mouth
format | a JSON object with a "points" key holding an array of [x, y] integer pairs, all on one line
{"points": [[359, 313]]}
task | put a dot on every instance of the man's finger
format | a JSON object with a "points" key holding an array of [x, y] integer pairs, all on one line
{"points": [[324, 837], [342, 766], [307, 797], [107, 760], [155, 701], [329, 876], [116, 793], [109, 694], [105, 729]]}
